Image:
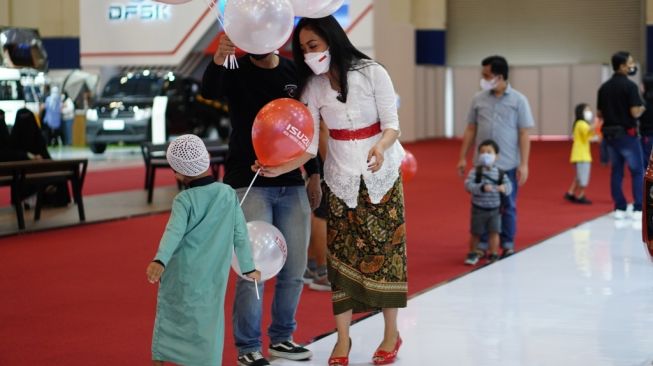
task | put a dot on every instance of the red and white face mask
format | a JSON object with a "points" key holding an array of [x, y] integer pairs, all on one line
{"points": [[318, 61]]}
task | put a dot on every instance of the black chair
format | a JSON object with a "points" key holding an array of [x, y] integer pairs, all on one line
{"points": [[27, 174]]}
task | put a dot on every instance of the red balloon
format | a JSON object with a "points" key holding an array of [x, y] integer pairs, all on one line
{"points": [[408, 167], [282, 131]]}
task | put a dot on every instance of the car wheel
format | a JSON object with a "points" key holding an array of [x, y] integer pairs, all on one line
{"points": [[98, 148]]}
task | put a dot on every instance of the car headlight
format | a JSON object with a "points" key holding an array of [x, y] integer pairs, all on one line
{"points": [[91, 114], [144, 113]]}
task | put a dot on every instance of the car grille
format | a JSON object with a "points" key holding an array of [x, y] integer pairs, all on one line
{"points": [[121, 114]]}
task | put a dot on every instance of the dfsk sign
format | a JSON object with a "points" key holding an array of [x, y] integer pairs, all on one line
{"points": [[142, 10]]}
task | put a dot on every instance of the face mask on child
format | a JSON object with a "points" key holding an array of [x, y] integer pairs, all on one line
{"points": [[588, 116], [487, 159]]}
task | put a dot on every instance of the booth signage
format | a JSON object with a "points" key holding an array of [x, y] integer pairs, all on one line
{"points": [[142, 10]]}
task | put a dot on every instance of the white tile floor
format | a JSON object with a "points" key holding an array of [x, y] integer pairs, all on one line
{"points": [[584, 297]]}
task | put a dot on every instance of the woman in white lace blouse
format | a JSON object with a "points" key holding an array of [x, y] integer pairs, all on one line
{"points": [[354, 97]]}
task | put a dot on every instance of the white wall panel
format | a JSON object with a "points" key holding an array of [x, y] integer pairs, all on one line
{"points": [[527, 81], [537, 32], [556, 110]]}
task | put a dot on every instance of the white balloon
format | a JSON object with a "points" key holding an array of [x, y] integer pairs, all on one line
{"points": [[258, 26], [174, 1], [329, 9], [269, 250], [306, 8]]}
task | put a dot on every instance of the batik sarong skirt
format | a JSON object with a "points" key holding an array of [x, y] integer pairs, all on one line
{"points": [[367, 252]]}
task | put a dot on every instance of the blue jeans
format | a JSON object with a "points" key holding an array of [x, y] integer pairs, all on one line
{"points": [[626, 149], [647, 146], [288, 210], [508, 215]]}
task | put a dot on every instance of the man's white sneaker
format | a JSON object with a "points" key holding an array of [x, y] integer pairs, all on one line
{"points": [[619, 214], [636, 215]]}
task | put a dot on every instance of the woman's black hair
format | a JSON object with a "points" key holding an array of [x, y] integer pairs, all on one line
{"points": [[343, 53], [578, 111]]}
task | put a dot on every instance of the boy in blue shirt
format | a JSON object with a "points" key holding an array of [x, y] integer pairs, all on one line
{"points": [[487, 184]]}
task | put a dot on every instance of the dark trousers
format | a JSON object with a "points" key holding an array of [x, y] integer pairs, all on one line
{"points": [[626, 150]]}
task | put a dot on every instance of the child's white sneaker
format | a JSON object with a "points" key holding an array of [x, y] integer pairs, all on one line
{"points": [[619, 214]]}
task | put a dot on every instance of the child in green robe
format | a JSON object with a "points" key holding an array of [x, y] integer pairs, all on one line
{"points": [[192, 264]]}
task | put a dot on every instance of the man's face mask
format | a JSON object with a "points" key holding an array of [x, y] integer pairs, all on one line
{"points": [[632, 70], [489, 84]]}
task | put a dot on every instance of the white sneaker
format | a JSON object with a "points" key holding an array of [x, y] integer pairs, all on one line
{"points": [[636, 215], [619, 214]]}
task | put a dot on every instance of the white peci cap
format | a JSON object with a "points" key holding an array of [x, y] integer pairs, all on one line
{"points": [[187, 155]]}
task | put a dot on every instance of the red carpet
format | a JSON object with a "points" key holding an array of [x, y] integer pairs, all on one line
{"points": [[78, 296]]}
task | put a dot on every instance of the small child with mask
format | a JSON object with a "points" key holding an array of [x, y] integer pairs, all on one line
{"points": [[487, 184], [581, 155]]}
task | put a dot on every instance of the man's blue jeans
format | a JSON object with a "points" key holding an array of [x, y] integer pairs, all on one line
{"points": [[626, 150], [508, 215], [288, 210], [647, 146]]}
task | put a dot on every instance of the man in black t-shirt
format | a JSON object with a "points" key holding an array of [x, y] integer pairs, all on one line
{"points": [[620, 105], [281, 201]]}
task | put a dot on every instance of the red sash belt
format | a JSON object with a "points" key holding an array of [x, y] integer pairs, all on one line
{"points": [[360, 134]]}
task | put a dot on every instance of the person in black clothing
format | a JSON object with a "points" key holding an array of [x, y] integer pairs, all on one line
{"points": [[646, 120], [281, 200], [7, 153], [620, 105], [26, 135]]}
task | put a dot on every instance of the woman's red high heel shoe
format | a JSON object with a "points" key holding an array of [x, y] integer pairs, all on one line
{"points": [[340, 361], [382, 357]]}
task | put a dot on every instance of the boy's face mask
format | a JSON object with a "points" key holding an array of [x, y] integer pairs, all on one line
{"points": [[486, 159]]}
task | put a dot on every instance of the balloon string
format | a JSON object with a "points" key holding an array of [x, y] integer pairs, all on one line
{"points": [[256, 288], [230, 61], [250, 186]]}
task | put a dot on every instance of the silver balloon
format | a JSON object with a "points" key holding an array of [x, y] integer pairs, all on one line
{"points": [[258, 26], [329, 9], [269, 249], [306, 8]]}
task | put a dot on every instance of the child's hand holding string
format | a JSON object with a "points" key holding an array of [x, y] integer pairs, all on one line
{"points": [[256, 275], [154, 271]]}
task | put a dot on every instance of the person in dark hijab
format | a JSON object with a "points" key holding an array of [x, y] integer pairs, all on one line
{"points": [[26, 135], [7, 153]]}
